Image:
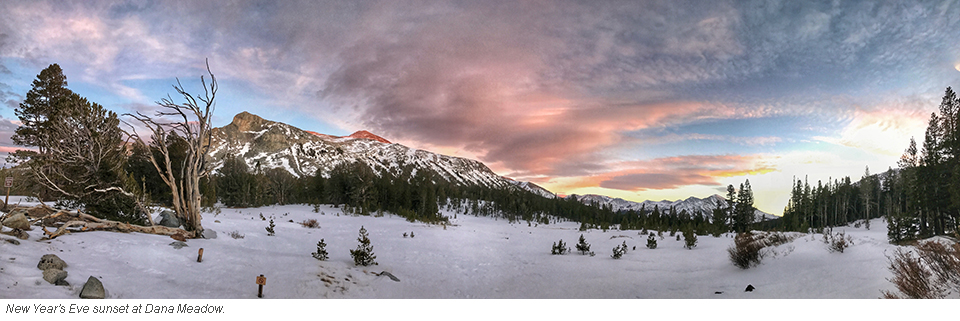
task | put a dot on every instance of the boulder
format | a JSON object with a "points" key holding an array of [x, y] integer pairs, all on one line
{"points": [[17, 221], [169, 219], [54, 276], [50, 261], [209, 234], [14, 242], [749, 288], [93, 289]]}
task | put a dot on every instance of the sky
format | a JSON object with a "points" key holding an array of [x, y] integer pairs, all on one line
{"points": [[632, 99]]}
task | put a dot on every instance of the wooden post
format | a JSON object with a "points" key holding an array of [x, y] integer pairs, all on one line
{"points": [[8, 183], [200, 255], [261, 281]]}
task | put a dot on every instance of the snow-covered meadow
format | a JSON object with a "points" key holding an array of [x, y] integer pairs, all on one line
{"points": [[473, 257]]}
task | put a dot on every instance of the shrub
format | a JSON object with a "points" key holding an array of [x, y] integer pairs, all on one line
{"points": [[269, 229], [559, 248], [930, 275], [583, 246], [838, 242], [746, 250], [236, 235], [363, 255], [311, 223], [652, 241], [321, 253]]}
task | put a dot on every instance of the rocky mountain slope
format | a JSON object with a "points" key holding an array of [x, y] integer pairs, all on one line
{"points": [[692, 205], [266, 144]]}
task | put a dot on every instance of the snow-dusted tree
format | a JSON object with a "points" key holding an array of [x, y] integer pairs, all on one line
{"points": [[651, 242], [559, 248], [192, 122], [583, 246], [321, 253], [618, 251], [363, 255]]}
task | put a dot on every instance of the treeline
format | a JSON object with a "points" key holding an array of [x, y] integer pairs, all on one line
{"points": [[919, 199]]}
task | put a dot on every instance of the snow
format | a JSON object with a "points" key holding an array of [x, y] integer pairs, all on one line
{"points": [[474, 257]]}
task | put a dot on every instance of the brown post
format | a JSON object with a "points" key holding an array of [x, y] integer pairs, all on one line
{"points": [[8, 183], [261, 281], [200, 256]]}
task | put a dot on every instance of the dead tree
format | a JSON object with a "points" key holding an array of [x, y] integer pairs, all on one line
{"points": [[192, 122]]}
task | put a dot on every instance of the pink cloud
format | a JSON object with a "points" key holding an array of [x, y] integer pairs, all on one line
{"points": [[675, 172]]}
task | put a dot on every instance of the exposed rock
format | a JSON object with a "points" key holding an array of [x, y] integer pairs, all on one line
{"points": [[93, 289], [50, 261], [11, 241], [20, 234], [169, 219], [17, 221], [209, 234], [178, 244], [54, 276], [749, 288]]}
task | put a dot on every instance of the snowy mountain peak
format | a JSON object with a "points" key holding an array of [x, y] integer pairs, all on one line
{"points": [[691, 205], [267, 144], [368, 135]]}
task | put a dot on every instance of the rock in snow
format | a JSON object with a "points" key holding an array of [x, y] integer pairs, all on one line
{"points": [[50, 261], [55, 276], [17, 221], [93, 289], [169, 219]]}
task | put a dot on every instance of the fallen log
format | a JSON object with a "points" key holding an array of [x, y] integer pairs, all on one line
{"points": [[114, 226], [82, 222]]}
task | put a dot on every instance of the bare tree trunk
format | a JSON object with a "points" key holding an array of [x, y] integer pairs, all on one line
{"points": [[193, 124]]}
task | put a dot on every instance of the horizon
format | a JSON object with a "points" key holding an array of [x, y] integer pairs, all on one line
{"points": [[639, 101]]}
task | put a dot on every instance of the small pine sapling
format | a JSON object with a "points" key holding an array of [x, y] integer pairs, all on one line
{"points": [[269, 229], [689, 239], [405, 235], [652, 242], [559, 248], [678, 237], [583, 246], [618, 252], [411, 234], [624, 245], [321, 253], [363, 255]]}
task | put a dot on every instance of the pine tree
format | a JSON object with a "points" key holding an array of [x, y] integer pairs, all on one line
{"points": [[39, 109], [363, 255], [651, 242], [618, 251], [559, 248], [321, 253], [583, 246], [690, 239], [269, 229], [744, 208]]}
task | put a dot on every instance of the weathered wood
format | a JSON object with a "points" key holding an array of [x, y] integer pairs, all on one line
{"points": [[114, 226]]}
